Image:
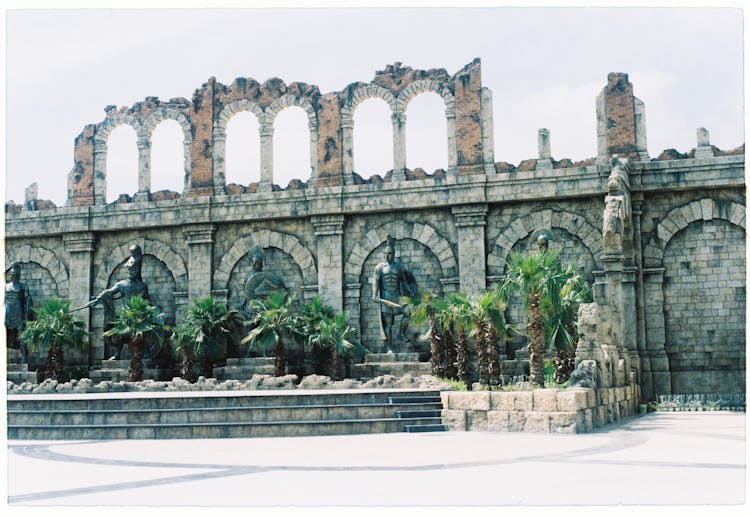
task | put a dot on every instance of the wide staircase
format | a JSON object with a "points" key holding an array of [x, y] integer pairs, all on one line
{"points": [[190, 415], [396, 364], [18, 371], [244, 368], [117, 371]]}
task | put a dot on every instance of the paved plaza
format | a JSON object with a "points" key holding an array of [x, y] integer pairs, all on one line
{"points": [[683, 458]]}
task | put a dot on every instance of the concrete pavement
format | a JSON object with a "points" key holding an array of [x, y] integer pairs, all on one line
{"points": [[682, 458]]}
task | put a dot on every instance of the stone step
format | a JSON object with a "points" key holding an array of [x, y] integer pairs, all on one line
{"points": [[434, 427], [250, 361], [19, 377], [392, 368], [18, 368], [242, 372], [175, 415], [116, 375], [379, 358]]}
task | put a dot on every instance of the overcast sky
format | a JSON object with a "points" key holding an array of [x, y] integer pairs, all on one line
{"points": [[545, 67]]}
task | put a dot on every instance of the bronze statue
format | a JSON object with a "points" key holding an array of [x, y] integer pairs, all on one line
{"points": [[259, 283], [392, 280], [123, 289], [17, 310], [542, 239]]}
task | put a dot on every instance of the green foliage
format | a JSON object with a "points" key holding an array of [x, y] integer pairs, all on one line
{"points": [[54, 327], [566, 289], [135, 317], [274, 320], [529, 274], [208, 323], [457, 385]]}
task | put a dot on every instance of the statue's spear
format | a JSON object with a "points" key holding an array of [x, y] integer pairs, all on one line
{"points": [[389, 303]]}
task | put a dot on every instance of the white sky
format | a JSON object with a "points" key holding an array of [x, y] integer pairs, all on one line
{"points": [[545, 67]]}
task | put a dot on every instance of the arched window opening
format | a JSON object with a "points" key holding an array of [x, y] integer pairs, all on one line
{"points": [[122, 163], [372, 138], [291, 146], [426, 133], [242, 154], [168, 157]]}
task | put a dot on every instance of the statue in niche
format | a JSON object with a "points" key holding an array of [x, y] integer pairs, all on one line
{"points": [[391, 281], [542, 238], [18, 305], [133, 285], [259, 284]]}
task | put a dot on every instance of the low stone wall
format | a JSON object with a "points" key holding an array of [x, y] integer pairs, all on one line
{"points": [[574, 410]]}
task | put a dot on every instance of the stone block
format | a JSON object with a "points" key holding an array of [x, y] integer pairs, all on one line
{"points": [[544, 400], [476, 420], [498, 420], [516, 421], [522, 400], [468, 400], [571, 400], [563, 422], [502, 401], [599, 416], [538, 422], [454, 419]]}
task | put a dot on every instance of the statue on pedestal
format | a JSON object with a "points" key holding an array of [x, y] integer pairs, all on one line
{"points": [[133, 285], [392, 280], [18, 305]]}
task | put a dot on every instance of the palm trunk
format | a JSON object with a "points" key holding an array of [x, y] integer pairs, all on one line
{"points": [[135, 373], [337, 364], [493, 352], [51, 357], [436, 348], [536, 341], [462, 358], [451, 357], [207, 366], [482, 355], [59, 363], [564, 364], [186, 368], [279, 357]]}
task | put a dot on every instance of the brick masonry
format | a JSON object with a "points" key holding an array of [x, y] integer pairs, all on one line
{"points": [[453, 229]]}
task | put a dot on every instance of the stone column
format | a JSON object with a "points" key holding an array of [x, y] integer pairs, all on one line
{"points": [[545, 153], [703, 150], [313, 181], [488, 138], [266, 158], [656, 353], [80, 248], [329, 233], [144, 169], [470, 221], [347, 143], [637, 202], [219, 159], [200, 241], [100, 171], [399, 146]]}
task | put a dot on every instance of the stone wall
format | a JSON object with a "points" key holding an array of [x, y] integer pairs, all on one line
{"points": [[454, 229], [565, 411]]}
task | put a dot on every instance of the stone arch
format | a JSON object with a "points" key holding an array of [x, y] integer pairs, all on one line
{"points": [[266, 238], [359, 95], [163, 252], [521, 227], [679, 218], [422, 233], [144, 145], [46, 259], [267, 122], [220, 135], [101, 135], [424, 86]]}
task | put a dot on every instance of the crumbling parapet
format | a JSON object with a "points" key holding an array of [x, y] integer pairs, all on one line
{"points": [[621, 121]]}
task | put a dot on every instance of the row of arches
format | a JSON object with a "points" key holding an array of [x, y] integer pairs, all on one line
{"points": [[254, 156]]}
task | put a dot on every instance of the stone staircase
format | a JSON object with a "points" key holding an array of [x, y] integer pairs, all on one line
{"points": [[18, 372], [178, 415], [117, 371], [244, 368], [396, 364]]}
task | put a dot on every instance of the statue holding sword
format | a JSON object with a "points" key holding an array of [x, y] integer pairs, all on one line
{"points": [[392, 280]]}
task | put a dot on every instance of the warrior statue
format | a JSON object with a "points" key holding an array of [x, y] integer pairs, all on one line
{"points": [[17, 310], [392, 281], [259, 284], [124, 289]]}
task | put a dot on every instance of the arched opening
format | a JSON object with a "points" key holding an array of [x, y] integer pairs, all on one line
{"points": [[372, 138], [242, 154], [426, 133], [122, 163], [291, 146], [167, 157]]}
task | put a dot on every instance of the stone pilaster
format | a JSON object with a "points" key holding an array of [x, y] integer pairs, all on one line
{"points": [[80, 248], [660, 379], [266, 158], [100, 171], [329, 233], [144, 169], [470, 222], [545, 153], [399, 146], [200, 241]]}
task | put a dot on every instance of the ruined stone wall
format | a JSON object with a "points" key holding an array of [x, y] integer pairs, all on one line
{"points": [[453, 229]]}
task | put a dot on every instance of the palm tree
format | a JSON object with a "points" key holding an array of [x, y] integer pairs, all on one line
{"points": [[273, 321], [459, 308], [137, 319], [531, 274], [309, 320], [335, 334], [183, 341], [426, 309], [55, 328], [566, 290], [210, 323], [488, 327]]}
